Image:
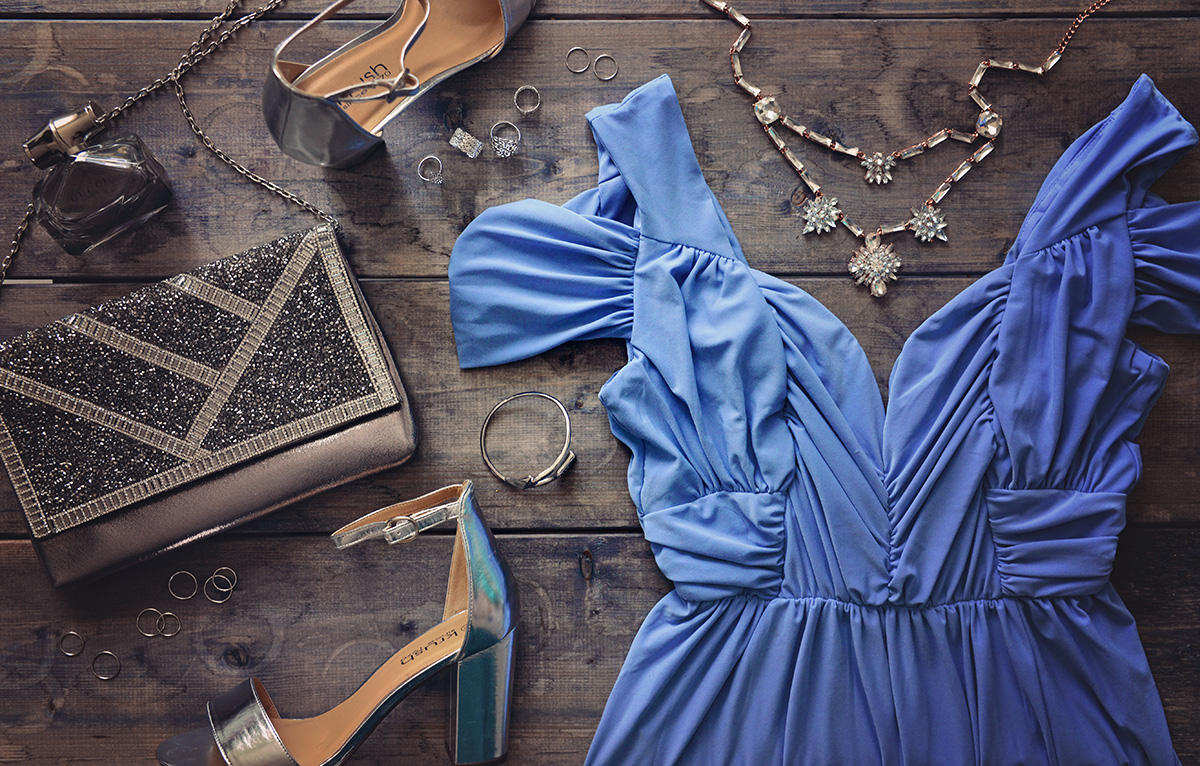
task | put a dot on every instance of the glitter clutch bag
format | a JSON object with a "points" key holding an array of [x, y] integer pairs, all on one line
{"points": [[198, 403]]}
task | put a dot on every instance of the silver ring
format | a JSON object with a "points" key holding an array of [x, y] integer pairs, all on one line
{"points": [[553, 471], [586, 55], [596, 69], [213, 579], [503, 146], [171, 585], [231, 577], [517, 99], [466, 143], [62, 641], [162, 627], [157, 623], [436, 176], [114, 674]]}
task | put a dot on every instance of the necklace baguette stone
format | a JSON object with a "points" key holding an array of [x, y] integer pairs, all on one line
{"points": [[875, 264]]}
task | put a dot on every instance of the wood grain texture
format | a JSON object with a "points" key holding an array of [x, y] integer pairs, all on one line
{"points": [[312, 622], [450, 405], [871, 83], [625, 8]]}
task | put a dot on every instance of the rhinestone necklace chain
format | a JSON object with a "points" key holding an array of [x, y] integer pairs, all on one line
{"points": [[874, 264]]}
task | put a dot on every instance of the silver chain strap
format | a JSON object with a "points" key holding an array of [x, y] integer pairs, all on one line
{"points": [[211, 38]]}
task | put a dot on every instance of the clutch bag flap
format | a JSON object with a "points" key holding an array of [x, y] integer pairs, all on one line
{"points": [[182, 379]]}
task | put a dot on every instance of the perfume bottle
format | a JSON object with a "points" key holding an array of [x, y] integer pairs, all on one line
{"points": [[93, 191]]}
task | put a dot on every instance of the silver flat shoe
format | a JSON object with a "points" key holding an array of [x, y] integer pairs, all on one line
{"points": [[333, 112], [475, 638]]}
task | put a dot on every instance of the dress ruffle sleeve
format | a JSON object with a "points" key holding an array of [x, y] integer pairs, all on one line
{"points": [[1071, 392], [1098, 252], [1166, 257], [529, 276]]}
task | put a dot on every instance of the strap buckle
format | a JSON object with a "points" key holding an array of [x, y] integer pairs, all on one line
{"points": [[396, 529], [403, 529]]}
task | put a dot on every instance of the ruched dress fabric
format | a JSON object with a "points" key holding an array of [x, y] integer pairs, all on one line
{"points": [[926, 584]]}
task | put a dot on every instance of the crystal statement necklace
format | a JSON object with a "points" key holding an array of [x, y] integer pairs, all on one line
{"points": [[874, 264]]}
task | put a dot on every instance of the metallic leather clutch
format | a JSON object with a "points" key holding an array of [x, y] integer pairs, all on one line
{"points": [[196, 404]]}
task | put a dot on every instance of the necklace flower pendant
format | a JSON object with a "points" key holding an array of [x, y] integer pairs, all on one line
{"points": [[874, 264], [821, 214], [928, 222], [879, 168]]}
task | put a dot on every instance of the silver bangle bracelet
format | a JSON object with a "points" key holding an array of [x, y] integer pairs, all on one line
{"points": [[556, 469]]}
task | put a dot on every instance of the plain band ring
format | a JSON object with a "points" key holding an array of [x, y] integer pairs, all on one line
{"points": [[596, 69], [157, 623], [171, 585], [114, 674], [228, 592], [436, 176], [586, 55], [162, 630], [555, 469], [517, 99], [231, 577], [62, 641]]}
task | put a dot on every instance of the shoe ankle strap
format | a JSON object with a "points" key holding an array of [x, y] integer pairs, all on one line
{"points": [[394, 526], [403, 84]]}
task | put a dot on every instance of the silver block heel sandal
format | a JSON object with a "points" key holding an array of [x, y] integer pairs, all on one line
{"points": [[475, 638], [332, 113]]}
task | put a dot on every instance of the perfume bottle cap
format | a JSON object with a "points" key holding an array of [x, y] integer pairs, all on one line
{"points": [[63, 136]]}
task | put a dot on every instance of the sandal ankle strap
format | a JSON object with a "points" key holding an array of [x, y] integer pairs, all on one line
{"points": [[403, 84], [395, 526]]}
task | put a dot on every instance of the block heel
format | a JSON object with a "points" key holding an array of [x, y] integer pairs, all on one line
{"points": [[479, 705], [475, 637]]}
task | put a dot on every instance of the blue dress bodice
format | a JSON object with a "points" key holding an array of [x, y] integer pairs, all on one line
{"points": [[921, 583]]}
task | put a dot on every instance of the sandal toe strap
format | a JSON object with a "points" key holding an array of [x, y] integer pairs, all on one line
{"points": [[241, 724]]}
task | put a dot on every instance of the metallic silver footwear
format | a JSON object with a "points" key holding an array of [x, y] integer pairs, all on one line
{"points": [[332, 113], [475, 637]]}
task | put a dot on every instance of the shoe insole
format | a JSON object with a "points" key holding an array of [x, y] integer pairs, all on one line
{"points": [[313, 741], [458, 31]]}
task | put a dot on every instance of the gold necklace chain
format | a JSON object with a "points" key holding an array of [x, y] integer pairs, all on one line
{"points": [[874, 264]]}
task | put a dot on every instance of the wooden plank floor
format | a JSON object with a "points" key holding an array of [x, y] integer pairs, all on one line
{"points": [[310, 621]]}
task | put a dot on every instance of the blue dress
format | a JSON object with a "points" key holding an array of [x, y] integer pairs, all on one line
{"points": [[921, 584]]}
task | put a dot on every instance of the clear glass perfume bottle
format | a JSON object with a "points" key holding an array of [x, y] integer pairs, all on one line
{"points": [[93, 191]]}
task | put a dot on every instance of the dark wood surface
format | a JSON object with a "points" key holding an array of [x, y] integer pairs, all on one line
{"points": [[311, 621]]}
